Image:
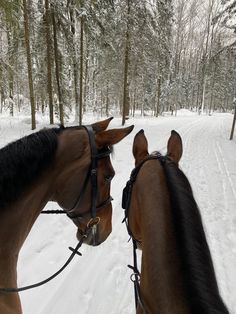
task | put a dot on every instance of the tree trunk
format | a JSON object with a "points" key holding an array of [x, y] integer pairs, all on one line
{"points": [[10, 69], [1, 99], [212, 90], [125, 108], [56, 56], [81, 69], [94, 84], [158, 97], [29, 64], [233, 125], [85, 82], [198, 100], [203, 93], [49, 64], [134, 100], [107, 100], [75, 74], [74, 58], [206, 54]]}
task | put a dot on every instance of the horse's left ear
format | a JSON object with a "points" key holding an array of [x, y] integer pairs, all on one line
{"points": [[174, 147], [111, 137], [140, 147], [101, 125]]}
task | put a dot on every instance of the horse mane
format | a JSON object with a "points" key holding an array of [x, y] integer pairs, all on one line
{"points": [[198, 269], [23, 160]]}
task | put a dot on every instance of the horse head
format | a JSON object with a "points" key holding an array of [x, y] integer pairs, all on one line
{"points": [[84, 180], [141, 156]]}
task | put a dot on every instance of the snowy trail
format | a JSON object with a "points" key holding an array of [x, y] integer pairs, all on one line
{"points": [[98, 282]]}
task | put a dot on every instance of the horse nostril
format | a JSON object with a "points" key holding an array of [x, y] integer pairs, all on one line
{"points": [[108, 178]]}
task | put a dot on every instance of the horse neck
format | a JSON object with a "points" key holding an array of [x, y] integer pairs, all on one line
{"points": [[17, 220], [9, 302], [161, 281], [15, 224]]}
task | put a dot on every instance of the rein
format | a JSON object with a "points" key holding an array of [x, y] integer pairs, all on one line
{"points": [[74, 252], [91, 226], [126, 199]]}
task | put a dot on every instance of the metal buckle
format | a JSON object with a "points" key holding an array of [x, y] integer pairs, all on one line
{"points": [[93, 222], [134, 277]]}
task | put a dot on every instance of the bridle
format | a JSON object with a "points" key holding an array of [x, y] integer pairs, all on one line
{"points": [[126, 199], [92, 175]]}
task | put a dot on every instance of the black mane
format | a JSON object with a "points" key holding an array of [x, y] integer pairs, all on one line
{"points": [[199, 275], [23, 160]]}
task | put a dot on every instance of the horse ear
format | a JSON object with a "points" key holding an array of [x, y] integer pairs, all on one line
{"points": [[111, 137], [174, 147], [140, 147], [101, 125]]}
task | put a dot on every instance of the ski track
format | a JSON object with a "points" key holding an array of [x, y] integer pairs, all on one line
{"points": [[99, 281]]}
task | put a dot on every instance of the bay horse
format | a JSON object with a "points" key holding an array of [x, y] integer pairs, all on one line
{"points": [[67, 165], [177, 274]]}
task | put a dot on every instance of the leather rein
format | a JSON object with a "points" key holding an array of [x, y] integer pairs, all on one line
{"points": [[93, 222], [126, 199]]}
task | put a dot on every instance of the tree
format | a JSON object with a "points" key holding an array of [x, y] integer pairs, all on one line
{"points": [[12, 27], [57, 70], [228, 15], [233, 125], [49, 60], [125, 107], [29, 65], [81, 68]]}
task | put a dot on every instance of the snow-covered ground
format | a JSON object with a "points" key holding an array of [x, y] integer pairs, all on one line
{"points": [[99, 281]]}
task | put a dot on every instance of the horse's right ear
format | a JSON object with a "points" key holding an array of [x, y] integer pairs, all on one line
{"points": [[174, 147], [140, 147], [101, 125]]}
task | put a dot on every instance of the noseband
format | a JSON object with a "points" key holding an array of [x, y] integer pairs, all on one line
{"points": [[92, 175]]}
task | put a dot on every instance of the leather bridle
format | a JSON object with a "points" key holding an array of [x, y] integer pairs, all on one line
{"points": [[92, 177]]}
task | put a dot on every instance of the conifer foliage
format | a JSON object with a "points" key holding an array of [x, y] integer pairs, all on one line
{"points": [[116, 57]]}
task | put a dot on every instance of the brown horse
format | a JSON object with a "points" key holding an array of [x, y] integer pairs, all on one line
{"points": [[70, 166], [177, 274]]}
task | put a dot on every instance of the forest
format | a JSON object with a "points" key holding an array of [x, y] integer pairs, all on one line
{"points": [[116, 57]]}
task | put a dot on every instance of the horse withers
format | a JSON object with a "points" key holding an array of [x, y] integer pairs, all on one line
{"points": [[68, 165], [177, 274]]}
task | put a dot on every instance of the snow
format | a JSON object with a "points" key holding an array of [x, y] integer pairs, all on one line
{"points": [[99, 281]]}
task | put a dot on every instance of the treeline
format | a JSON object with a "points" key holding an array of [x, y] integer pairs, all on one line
{"points": [[67, 57]]}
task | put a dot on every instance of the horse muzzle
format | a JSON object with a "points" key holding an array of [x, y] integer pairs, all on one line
{"points": [[94, 234]]}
